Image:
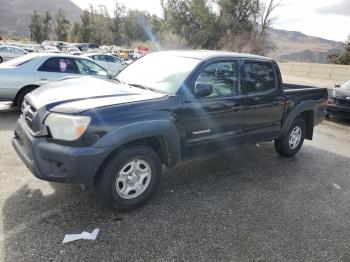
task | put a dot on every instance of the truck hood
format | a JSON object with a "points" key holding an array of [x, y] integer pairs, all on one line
{"points": [[75, 95], [339, 93]]}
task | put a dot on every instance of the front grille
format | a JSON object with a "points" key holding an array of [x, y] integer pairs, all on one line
{"points": [[341, 102], [31, 117]]}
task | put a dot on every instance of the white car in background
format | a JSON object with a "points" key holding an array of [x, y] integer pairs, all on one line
{"points": [[51, 49], [22, 75], [10, 52], [73, 51], [113, 64]]}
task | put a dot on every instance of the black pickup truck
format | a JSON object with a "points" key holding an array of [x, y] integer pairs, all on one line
{"points": [[162, 109]]}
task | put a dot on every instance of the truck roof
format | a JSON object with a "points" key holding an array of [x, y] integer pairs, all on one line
{"points": [[208, 54]]}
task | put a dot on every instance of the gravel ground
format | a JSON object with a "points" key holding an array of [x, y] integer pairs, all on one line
{"points": [[245, 205]]}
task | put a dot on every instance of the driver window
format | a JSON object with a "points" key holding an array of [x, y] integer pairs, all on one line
{"points": [[222, 76]]}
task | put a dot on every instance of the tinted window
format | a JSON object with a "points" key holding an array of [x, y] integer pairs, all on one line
{"points": [[222, 76], [101, 58], [112, 59], [59, 65], [259, 76]]}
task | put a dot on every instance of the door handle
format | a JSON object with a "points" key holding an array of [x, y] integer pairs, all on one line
{"points": [[43, 79]]}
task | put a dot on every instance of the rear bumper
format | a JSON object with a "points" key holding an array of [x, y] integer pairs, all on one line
{"points": [[57, 163], [338, 111]]}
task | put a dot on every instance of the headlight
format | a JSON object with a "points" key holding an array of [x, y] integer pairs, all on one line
{"points": [[67, 127]]}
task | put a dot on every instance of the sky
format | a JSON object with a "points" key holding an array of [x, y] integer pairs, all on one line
{"points": [[329, 19]]}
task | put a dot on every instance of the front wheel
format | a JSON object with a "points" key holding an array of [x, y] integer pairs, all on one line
{"points": [[1, 60], [293, 140], [130, 178]]}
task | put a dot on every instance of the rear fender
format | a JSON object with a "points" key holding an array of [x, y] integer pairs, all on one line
{"points": [[295, 112]]}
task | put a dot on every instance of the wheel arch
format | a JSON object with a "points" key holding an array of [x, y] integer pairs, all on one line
{"points": [[161, 135], [306, 111], [22, 89]]}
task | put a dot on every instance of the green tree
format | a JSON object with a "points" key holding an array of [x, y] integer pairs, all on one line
{"points": [[117, 24], [86, 26], [342, 58], [62, 26], [75, 33], [36, 27], [47, 25]]}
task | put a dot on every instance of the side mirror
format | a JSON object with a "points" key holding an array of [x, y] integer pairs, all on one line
{"points": [[337, 86], [203, 90]]}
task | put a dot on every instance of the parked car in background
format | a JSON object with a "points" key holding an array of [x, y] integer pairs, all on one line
{"points": [[164, 108], [86, 46], [29, 49], [10, 52], [73, 51], [111, 63], [339, 101], [24, 74], [51, 49]]}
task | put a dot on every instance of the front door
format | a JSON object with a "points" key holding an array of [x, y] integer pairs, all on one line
{"points": [[214, 122]]}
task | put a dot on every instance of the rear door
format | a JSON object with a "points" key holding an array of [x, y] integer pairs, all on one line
{"points": [[264, 103], [214, 122]]}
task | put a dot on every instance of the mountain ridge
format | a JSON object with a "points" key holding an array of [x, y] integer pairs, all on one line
{"points": [[295, 46], [282, 45], [15, 14]]}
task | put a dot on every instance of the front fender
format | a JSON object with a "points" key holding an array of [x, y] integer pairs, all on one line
{"points": [[140, 130]]}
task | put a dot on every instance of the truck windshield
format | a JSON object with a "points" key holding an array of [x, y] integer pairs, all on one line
{"points": [[159, 71]]}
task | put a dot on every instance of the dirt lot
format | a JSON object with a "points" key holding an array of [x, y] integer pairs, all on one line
{"points": [[246, 205]]}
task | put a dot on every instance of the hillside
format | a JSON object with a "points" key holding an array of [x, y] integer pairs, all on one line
{"points": [[297, 47], [15, 14]]}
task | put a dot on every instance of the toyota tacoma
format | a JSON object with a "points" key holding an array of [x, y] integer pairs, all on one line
{"points": [[164, 108]]}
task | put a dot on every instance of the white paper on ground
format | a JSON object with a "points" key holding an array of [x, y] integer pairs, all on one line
{"points": [[85, 235]]}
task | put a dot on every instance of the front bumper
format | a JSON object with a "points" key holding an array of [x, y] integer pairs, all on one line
{"points": [[338, 111], [57, 163]]}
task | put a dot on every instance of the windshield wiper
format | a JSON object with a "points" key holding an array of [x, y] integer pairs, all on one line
{"points": [[116, 79], [143, 87]]}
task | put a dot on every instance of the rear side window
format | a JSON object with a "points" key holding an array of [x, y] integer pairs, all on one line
{"points": [[259, 76], [6, 50], [59, 65], [19, 51]]}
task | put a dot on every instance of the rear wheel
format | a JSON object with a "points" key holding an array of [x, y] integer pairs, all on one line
{"points": [[293, 140], [129, 178]]}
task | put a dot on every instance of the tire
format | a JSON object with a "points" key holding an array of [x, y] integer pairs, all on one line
{"points": [[22, 94], [292, 142], [1, 60], [121, 185]]}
